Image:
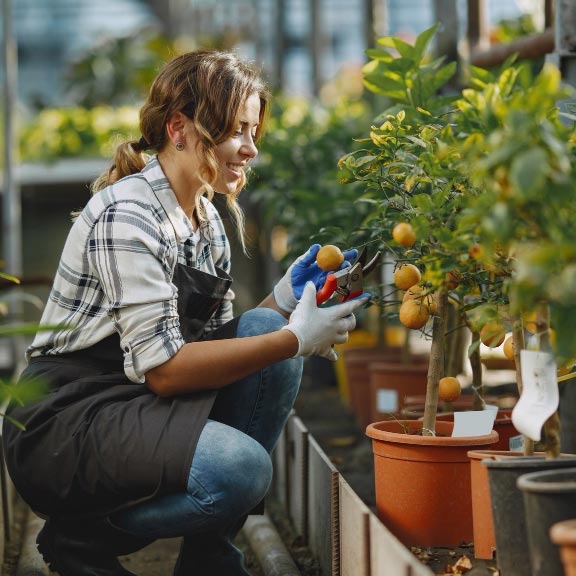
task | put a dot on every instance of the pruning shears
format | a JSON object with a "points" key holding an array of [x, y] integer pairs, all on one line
{"points": [[347, 283]]}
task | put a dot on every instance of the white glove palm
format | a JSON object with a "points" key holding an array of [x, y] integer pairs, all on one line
{"points": [[317, 329]]}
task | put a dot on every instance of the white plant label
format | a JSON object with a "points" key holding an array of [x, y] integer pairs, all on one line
{"points": [[540, 396], [387, 400], [473, 423]]}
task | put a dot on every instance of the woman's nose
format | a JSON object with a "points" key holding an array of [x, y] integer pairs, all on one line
{"points": [[249, 148]]}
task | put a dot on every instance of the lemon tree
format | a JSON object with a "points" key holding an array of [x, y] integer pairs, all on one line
{"points": [[411, 174]]}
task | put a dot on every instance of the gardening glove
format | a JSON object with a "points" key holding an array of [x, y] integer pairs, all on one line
{"points": [[317, 329], [304, 269]]}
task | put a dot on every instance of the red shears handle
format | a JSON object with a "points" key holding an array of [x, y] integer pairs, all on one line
{"points": [[327, 290]]}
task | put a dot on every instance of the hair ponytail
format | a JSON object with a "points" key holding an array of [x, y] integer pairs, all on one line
{"points": [[129, 158]]}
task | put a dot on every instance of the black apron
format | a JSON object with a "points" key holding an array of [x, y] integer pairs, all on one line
{"points": [[98, 442]]}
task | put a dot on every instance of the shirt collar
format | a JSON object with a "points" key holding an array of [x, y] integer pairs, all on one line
{"points": [[157, 179]]}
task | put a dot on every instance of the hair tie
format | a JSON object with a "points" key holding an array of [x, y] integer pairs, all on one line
{"points": [[143, 144]]}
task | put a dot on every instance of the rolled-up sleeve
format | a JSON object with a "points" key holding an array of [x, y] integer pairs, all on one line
{"points": [[133, 261]]}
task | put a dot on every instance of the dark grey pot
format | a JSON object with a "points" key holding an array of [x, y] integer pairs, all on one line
{"points": [[549, 497], [512, 549]]}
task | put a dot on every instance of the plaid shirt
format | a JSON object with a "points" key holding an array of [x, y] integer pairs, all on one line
{"points": [[115, 273]]}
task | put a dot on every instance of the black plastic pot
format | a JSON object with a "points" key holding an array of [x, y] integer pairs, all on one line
{"points": [[512, 548], [549, 497]]}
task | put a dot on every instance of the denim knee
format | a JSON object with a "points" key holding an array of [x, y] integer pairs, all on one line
{"points": [[260, 321], [230, 477]]}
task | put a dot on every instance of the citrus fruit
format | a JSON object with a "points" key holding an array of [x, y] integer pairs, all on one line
{"points": [[509, 348], [452, 280], [413, 314], [413, 293], [476, 251], [406, 275], [529, 322], [449, 389], [419, 294], [404, 234], [492, 334], [329, 257]]}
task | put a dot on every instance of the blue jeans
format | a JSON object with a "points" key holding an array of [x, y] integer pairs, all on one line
{"points": [[231, 469]]}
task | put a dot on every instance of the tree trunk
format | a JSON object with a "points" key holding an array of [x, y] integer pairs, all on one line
{"points": [[436, 366], [476, 367], [552, 425]]}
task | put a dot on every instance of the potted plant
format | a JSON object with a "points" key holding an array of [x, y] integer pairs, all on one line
{"points": [[523, 157], [413, 181]]}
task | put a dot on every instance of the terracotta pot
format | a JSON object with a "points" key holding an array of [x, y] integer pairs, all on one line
{"points": [[503, 425], [390, 383], [482, 521], [422, 483], [563, 534], [357, 362]]}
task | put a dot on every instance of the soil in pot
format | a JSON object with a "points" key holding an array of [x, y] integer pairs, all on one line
{"points": [[549, 497], [422, 483]]}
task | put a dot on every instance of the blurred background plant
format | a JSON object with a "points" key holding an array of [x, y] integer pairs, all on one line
{"points": [[23, 392], [296, 178]]}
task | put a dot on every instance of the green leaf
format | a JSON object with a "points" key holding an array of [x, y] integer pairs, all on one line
{"points": [[422, 42], [529, 170], [9, 277], [442, 76], [380, 55]]}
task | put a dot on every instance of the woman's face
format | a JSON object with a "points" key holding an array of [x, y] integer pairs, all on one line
{"points": [[238, 149]]}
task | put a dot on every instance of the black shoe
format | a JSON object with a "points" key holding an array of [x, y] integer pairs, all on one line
{"points": [[209, 555], [80, 548]]}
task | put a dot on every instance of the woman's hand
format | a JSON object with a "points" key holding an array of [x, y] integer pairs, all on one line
{"points": [[304, 269], [317, 329]]}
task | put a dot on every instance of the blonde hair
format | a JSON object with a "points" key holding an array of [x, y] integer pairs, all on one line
{"points": [[209, 87]]}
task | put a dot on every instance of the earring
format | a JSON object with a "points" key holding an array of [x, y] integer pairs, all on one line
{"points": [[179, 146]]}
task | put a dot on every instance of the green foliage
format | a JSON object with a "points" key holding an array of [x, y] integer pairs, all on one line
{"points": [[296, 177], [23, 392], [118, 71], [72, 132], [522, 158], [408, 169]]}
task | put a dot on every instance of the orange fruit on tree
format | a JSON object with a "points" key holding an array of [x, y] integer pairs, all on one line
{"points": [[419, 294], [509, 348], [414, 292], [413, 314], [404, 234], [406, 275], [452, 280], [529, 322], [476, 251], [329, 257], [449, 388], [492, 334]]}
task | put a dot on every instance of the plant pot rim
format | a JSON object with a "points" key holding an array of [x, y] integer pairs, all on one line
{"points": [[392, 431], [558, 480], [481, 454], [535, 461]]}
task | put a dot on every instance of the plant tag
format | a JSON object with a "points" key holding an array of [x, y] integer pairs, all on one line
{"points": [[473, 423], [387, 400], [540, 396], [516, 443]]}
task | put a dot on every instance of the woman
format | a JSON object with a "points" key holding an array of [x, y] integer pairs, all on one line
{"points": [[163, 408]]}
